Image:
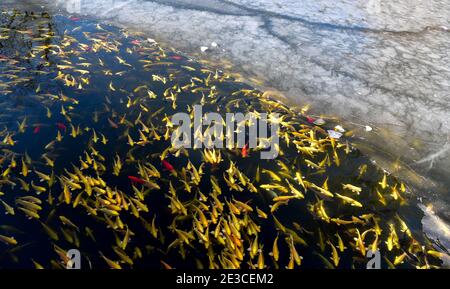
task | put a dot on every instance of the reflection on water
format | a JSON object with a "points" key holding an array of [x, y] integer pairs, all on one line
{"points": [[87, 163]]}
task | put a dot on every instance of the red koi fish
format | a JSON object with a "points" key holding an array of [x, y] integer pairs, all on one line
{"points": [[176, 57], [135, 42], [167, 165], [61, 126], [37, 129], [310, 119], [244, 151], [75, 19], [134, 179]]}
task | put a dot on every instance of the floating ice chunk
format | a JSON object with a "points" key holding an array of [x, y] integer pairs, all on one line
{"points": [[214, 44], [319, 121], [334, 134], [339, 128], [204, 48], [368, 128], [436, 228]]}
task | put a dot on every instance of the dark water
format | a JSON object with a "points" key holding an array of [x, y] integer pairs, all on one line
{"points": [[70, 81]]}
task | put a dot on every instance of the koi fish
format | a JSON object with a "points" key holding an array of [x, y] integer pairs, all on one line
{"points": [[61, 126], [112, 123], [244, 151], [167, 166], [134, 179]]}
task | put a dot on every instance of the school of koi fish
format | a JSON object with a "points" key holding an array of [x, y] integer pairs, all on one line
{"points": [[87, 163]]}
